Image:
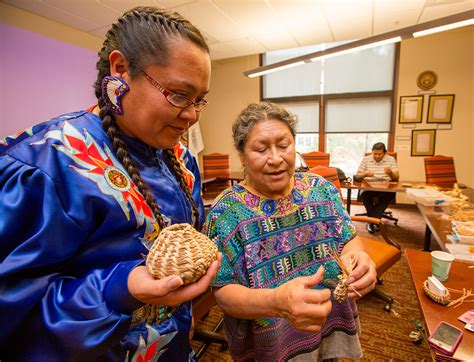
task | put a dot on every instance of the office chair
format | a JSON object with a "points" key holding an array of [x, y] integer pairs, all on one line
{"points": [[201, 307], [439, 170], [215, 165], [384, 253], [387, 214], [313, 159]]}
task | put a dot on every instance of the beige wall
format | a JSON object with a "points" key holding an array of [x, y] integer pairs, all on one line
{"points": [[23, 19], [449, 54], [230, 92]]}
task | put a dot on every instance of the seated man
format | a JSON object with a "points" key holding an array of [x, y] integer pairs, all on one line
{"points": [[379, 165]]}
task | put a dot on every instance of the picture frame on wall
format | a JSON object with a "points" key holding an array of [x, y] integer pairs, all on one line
{"points": [[423, 142], [411, 109], [440, 108]]}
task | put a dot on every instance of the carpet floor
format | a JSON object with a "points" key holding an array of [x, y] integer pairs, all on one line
{"points": [[385, 336]]}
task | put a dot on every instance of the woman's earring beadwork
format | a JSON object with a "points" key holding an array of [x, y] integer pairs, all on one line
{"points": [[113, 89]]}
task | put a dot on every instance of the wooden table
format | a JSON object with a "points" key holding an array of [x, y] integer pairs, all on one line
{"points": [[234, 176], [460, 276], [436, 224], [382, 186]]}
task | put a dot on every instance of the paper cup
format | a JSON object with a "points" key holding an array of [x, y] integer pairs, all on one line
{"points": [[441, 264]]}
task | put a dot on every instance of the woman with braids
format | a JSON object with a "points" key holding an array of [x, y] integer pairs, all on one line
{"points": [[84, 195], [279, 232]]}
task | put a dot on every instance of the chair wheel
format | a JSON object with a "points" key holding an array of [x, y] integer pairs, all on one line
{"points": [[387, 307]]}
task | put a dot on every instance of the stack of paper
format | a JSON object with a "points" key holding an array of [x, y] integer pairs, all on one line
{"points": [[429, 197], [461, 251]]}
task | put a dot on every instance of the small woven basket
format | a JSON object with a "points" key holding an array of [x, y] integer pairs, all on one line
{"points": [[441, 299], [181, 250]]}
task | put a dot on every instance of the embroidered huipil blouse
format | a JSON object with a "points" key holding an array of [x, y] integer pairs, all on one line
{"points": [[267, 242]]}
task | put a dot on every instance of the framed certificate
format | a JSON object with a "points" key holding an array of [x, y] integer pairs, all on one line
{"points": [[423, 142], [440, 108], [411, 109]]}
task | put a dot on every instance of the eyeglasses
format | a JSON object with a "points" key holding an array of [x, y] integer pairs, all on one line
{"points": [[176, 99]]}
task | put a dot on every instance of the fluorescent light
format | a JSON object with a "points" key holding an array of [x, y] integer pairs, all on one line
{"points": [[444, 28], [450, 22], [286, 66], [356, 49]]}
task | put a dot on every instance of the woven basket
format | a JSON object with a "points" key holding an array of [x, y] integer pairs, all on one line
{"points": [[181, 250], [441, 299]]}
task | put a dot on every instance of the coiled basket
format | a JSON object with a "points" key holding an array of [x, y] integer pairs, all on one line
{"points": [[181, 250]]}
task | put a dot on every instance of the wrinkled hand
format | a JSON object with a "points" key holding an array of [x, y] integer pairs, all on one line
{"points": [[363, 276], [168, 291], [306, 309]]}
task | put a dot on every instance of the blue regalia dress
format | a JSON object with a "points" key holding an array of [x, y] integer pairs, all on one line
{"points": [[72, 227]]}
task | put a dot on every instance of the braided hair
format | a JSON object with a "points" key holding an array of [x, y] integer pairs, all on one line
{"points": [[143, 35]]}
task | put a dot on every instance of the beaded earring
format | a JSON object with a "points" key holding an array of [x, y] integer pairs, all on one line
{"points": [[113, 89]]}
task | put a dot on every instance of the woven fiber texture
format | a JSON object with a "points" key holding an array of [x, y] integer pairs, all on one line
{"points": [[181, 250], [441, 299]]}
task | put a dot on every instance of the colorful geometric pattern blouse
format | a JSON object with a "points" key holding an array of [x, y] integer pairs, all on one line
{"points": [[267, 242]]}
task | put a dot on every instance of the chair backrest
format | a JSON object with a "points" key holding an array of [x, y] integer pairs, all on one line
{"points": [[440, 171], [329, 173], [215, 165], [313, 159]]}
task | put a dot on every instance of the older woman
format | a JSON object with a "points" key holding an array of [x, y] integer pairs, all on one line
{"points": [[275, 231]]}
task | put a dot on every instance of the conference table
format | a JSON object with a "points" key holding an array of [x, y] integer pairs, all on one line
{"points": [[437, 224], [461, 276], [381, 186]]}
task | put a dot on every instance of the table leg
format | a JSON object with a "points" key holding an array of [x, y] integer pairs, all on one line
{"points": [[349, 199], [426, 244]]}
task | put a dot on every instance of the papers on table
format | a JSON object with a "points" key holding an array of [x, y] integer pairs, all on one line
{"points": [[428, 197], [460, 251]]}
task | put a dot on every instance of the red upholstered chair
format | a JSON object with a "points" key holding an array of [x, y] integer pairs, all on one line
{"points": [[440, 171], [384, 252], [313, 159], [215, 166]]}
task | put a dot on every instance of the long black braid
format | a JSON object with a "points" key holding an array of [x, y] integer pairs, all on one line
{"points": [[143, 35]]}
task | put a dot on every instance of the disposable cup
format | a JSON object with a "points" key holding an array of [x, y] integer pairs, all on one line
{"points": [[441, 264]]}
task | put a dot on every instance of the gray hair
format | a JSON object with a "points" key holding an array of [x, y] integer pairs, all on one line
{"points": [[255, 113]]}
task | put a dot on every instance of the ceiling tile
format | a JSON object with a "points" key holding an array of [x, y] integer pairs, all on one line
{"points": [[349, 19], [208, 17], [235, 48], [304, 19], [92, 10], [100, 32], [51, 12], [241, 27], [277, 40], [121, 6], [391, 15], [439, 9], [252, 17]]}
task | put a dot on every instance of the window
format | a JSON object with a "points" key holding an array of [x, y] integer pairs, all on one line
{"points": [[299, 81], [350, 129], [350, 96], [307, 136]]}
